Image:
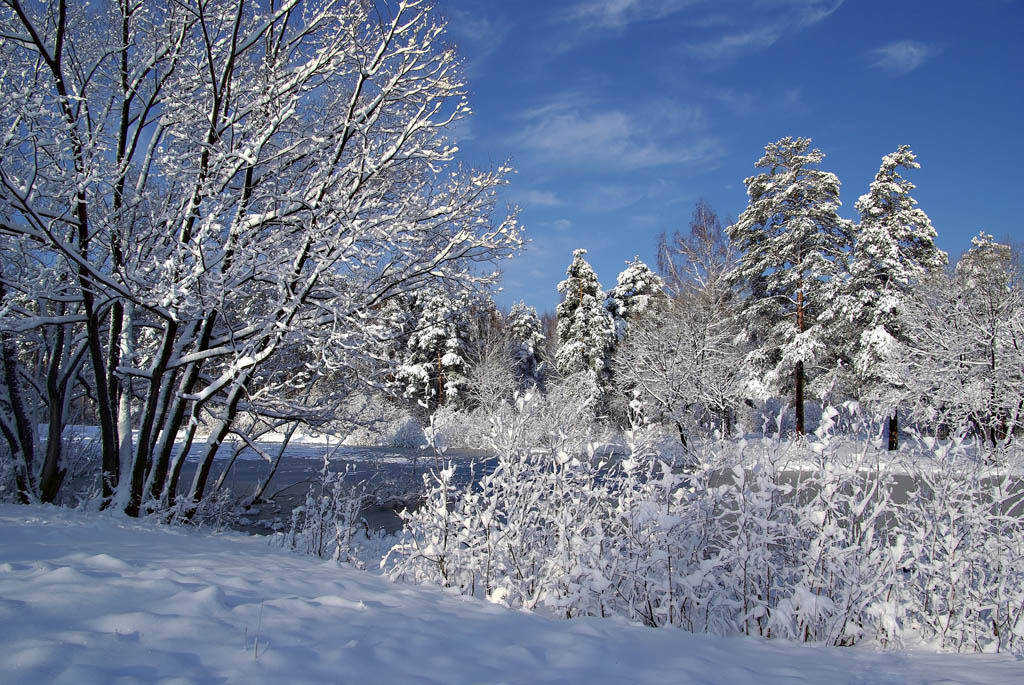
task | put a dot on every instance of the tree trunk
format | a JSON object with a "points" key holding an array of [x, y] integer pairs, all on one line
{"points": [[151, 409], [894, 430], [798, 401], [262, 487], [798, 372], [173, 420], [213, 443], [23, 442]]}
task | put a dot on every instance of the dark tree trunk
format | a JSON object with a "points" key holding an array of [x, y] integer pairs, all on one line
{"points": [[257, 496], [20, 439], [214, 442], [894, 430], [682, 433], [798, 401], [173, 420], [143, 453], [52, 476]]}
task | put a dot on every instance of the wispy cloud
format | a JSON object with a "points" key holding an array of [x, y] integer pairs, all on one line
{"points": [[902, 56], [726, 28], [532, 197], [479, 35], [589, 136], [616, 14], [758, 26]]}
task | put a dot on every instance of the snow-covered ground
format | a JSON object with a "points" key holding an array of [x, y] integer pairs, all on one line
{"points": [[98, 598]]}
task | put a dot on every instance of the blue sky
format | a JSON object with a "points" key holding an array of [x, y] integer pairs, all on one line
{"points": [[618, 115]]}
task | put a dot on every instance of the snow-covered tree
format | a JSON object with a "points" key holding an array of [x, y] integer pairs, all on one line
{"points": [[793, 245], [963, 363], [634, 292], [220, 183], [585, 332], [698, 262], [526, 339], [680, 364], [434, 370], [893, 249]]}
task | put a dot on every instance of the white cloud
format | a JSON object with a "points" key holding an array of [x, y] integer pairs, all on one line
{"points": [[532, 197], [594, 137], [757, 26], [727, 28], [731, 45], [616, 14], [903, 56], [480, 33]]}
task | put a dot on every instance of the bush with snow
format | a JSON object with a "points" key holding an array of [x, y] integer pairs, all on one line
{"points": [[810, 540]]}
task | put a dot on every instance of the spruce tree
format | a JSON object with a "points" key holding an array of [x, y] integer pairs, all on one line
{"points": [[792, 245], [894, 248], [584, 326], [526, 339], [637, 287], [434, 368]]}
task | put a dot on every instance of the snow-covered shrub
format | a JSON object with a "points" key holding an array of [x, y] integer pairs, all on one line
{"points": [[329, 524], [406, 431], [845, 582], [429, 550], [376, 420], [965, 585], [522, 534], [216, 510], [81, 463], [459, 428], [813, 539]]}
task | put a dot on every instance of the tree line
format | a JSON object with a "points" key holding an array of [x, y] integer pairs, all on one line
{"points": [[217, 221], [792, 302]]}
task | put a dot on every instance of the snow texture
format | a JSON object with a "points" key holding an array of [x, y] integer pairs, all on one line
{"points": [[92, 598]]}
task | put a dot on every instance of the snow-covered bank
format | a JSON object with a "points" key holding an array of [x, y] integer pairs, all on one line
{"points": [[88, 598]]}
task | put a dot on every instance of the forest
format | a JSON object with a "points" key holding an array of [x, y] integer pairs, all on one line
{"points": [[222, 221]]}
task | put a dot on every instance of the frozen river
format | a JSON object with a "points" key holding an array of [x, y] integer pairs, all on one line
{"points": [[394, 474]]}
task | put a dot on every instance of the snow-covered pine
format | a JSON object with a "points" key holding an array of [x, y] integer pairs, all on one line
{"points": [[585, 331], [638, 287], [434, 368], [526, 339], [793, 246], [893, 249]]}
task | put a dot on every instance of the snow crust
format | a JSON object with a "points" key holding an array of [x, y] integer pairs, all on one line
{"points": [[98, 598]]}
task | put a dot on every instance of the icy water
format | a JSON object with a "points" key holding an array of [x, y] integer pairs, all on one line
{"points": [[393, 474], [395, 477]]}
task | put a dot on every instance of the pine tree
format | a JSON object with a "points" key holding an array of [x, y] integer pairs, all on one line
{"points": [[637, 287], [434, 369], [792, 245], [894, 248], [527, 343], [584, 326]]}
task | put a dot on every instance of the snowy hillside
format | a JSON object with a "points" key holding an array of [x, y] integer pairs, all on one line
{"points": [[87, 598]]}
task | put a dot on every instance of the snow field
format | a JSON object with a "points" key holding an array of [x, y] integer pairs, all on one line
{"points": [[95, 598]]}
